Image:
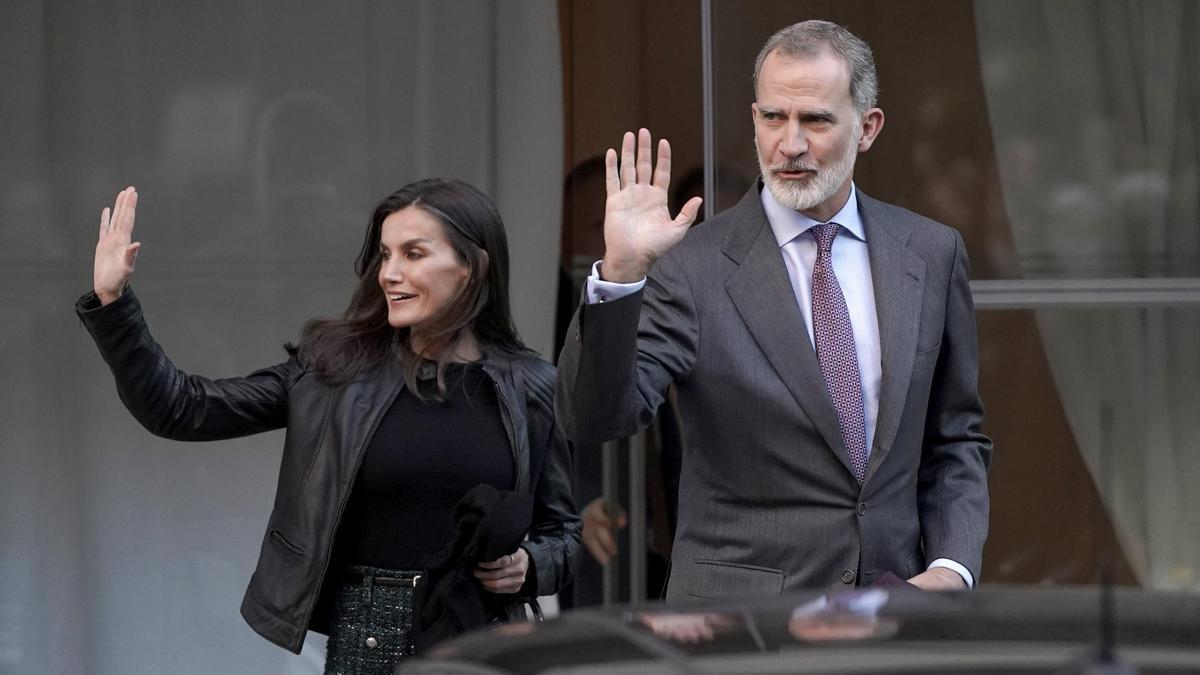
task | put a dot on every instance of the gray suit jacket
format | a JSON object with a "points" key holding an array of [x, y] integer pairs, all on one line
{"points": [[767, 498]]}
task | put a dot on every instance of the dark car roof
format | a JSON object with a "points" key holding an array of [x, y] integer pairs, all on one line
{"points": [[893, 630]]}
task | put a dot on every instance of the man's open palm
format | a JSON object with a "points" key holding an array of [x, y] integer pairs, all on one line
{"points": [[638, 228]]}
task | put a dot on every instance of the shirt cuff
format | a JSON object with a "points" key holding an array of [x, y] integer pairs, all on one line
{"points": [[951, 565], [597, 290]]}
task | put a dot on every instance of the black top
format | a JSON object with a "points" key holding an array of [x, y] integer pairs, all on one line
{"points": [[424, 456]]}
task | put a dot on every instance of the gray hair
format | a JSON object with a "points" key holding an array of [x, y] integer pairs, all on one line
{"points": [[809, 38]]}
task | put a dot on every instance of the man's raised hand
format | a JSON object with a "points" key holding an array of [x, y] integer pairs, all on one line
{"points": [[638, 228], [115, 250]]}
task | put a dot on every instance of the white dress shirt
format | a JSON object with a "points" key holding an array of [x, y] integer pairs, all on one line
{"points": [[852, 266]]}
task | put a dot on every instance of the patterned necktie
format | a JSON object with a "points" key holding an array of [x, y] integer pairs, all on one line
{"points": [[834, 338]]}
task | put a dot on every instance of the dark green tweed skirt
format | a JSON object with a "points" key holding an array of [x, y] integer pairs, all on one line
{"points": [[372, 625]]}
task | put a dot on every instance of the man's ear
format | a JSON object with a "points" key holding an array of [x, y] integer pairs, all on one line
{"points": [[872, 124], [753, 112]]}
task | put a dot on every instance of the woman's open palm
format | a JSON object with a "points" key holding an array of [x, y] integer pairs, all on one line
{"points": [[116, 253]]}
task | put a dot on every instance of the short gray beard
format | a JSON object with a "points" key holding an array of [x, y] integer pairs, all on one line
{"points": [[820, 187]]}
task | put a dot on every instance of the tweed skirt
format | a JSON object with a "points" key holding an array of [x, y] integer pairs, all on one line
{"points": [[372, 627]]}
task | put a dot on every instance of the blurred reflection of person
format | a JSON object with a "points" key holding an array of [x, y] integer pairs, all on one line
{"points": [[602, 519], [583, 228], [821, 344], [686, 627], [416, 413], [302, 149], [842, 616]]}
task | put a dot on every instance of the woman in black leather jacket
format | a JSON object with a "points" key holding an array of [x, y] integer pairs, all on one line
{"points": [[421, 391]]}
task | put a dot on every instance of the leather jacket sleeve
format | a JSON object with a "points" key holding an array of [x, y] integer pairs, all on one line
{"points": [[554, 543], [171, 403]]}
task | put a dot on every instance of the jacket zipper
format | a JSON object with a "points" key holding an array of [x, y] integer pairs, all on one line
{"points": [[509, 426], [337, 521]]}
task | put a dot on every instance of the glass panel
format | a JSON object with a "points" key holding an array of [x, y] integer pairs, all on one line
{"points": [[609, 91], [1059, 138], [260, 136], [620, 73], [1096, 421], [1093, 109]]}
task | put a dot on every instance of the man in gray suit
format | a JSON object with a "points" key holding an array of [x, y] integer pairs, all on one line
{"points": [[821, 343]]}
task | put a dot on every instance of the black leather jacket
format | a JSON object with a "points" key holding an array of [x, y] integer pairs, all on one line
{"points": [[328, 429]]}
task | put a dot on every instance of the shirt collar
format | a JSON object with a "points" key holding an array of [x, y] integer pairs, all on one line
{"points": [[787, 224]]}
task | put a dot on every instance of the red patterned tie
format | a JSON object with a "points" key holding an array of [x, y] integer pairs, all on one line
{"points": [[834, 338]]}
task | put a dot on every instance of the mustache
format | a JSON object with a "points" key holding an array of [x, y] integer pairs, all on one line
{"points": [[794, 165]]}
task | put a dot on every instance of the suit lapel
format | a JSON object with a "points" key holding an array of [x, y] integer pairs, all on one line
{"points": [[763, 296], [898, 277]]}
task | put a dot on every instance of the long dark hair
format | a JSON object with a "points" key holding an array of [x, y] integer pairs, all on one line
{"points": [[339, 349]]}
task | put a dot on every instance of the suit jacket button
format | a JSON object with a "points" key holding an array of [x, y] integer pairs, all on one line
{"points": [[848, 577], [862, 509]]}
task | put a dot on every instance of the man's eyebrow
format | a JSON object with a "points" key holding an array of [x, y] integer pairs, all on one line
{"points": [[818, 116]]}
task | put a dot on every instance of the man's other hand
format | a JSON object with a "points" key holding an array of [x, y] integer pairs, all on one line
{"points": [[939, 579]]}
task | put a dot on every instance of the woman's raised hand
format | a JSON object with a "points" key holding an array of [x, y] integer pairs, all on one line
{"points": [[638, 228], [115, 252]]}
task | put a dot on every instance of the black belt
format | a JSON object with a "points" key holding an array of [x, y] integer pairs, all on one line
{"points": [[404, 579]]}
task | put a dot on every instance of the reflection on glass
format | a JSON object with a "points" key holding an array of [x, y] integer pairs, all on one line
{"points": [[1093, 120], [850, 615], [684, 627], [1124, 487]]}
